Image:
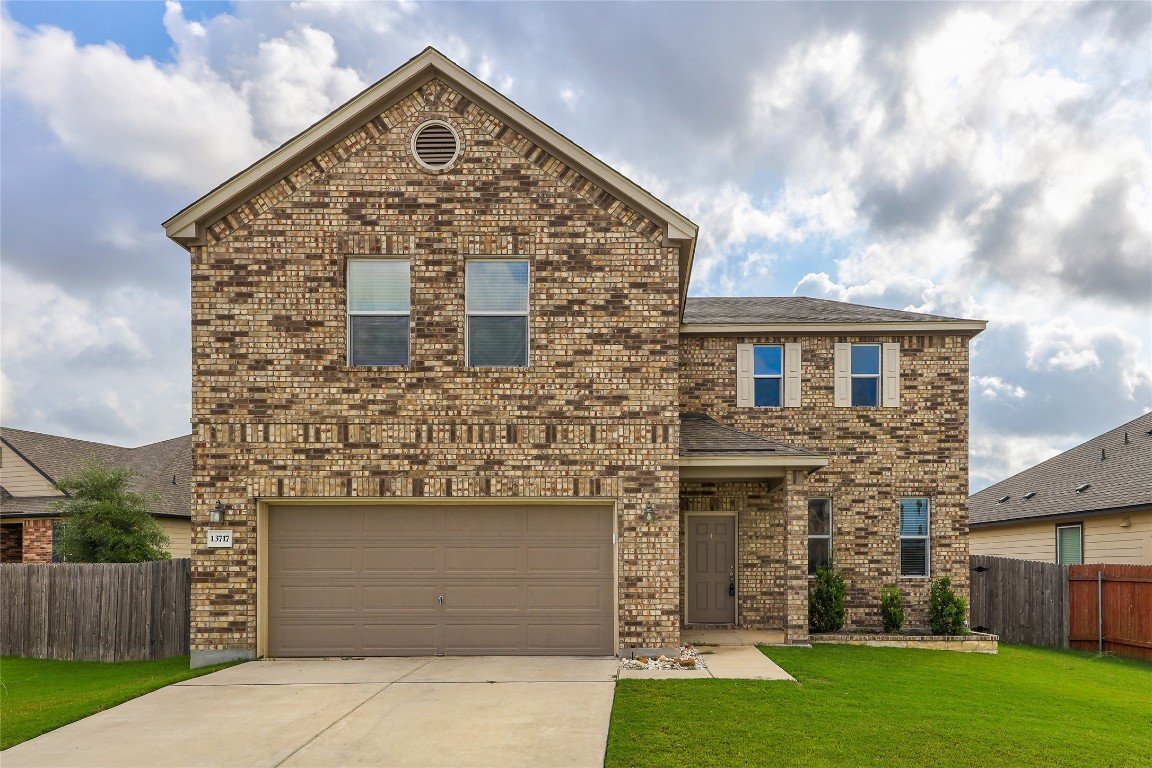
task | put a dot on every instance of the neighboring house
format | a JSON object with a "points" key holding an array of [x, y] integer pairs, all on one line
{"points": [[1090, 504], [450, 397], [32, 463]]}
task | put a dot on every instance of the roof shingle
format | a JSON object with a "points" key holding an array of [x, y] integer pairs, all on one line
{"points": [[701, 435], [795, 309]]}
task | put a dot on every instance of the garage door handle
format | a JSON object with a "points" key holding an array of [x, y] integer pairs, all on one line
{"points": [[441, 599]]}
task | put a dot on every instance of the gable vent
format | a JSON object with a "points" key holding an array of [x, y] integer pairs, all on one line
{"points": [[436, 145]]}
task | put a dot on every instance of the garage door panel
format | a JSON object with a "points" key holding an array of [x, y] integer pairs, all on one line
{"points": [[383, 597], [516, 579], [558, 558], [305, 559], [493, 559], [314, 597], [398, 557]]}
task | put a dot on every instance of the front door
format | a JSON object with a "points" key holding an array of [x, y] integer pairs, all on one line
{"points": [[711, 567]]}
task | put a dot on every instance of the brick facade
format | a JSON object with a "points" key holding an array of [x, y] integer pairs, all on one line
{"points": [[278, 412], [878, 455], [27, 541]]}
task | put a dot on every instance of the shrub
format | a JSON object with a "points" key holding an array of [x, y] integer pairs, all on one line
{"points": [[105, 521], [826, 599], [946, 610], [892, 608]]}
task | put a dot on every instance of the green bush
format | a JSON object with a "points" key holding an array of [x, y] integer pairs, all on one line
{"points": [[826, 599], [947, 611], [892, 608]]}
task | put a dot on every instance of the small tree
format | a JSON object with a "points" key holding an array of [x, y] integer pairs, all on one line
{"points": [[946, 610], [826, 599], [892, 608], [105, 521]]}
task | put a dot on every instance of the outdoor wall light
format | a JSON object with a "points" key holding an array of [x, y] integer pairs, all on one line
{"points": [[649, 513], [216, 514]]}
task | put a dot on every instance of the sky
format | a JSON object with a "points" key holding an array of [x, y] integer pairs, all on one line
{"points": [[988, 161]]}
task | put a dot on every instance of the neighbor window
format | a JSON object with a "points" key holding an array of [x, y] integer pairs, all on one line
{"points": [[768, 375], [497, 308], [379, 309], [819, 533], [914, 533], [1070, 544]]}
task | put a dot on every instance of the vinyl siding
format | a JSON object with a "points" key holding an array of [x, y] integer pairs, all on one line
{"points": [[179, 534], [20, 478], [1105, 541]]}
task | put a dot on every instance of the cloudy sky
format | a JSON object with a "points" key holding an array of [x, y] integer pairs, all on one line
{"points": [[989, 161]]}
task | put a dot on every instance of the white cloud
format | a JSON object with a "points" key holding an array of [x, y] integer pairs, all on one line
{"points": [[994, 387]]}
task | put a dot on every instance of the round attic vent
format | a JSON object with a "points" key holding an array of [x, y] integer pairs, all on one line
{"points": [[436, 145]]}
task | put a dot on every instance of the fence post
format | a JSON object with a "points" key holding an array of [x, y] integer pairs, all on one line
{"points": [[1100, 612]]}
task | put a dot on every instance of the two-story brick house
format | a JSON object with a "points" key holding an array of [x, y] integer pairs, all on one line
{"points": [[449, 396]]}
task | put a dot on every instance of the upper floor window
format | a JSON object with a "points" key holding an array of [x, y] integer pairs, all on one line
{"points": [[379, 310], [497, 308], [768, 375], [1070, 544], [867, 375], [819, 533], [915, 534]]}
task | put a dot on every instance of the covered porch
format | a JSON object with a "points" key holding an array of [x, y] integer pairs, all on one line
{"points": [[744, 530]]}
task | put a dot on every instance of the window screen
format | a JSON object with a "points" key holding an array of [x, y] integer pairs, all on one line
{"points": [[768, 375], [379, 308], [1069, 545], [819, 533], [497, 308], [865, 374]]}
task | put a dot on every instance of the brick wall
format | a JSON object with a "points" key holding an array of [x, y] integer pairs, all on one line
{"points": [[37, 541], [878, 455], [277, 412], [12, 543]]}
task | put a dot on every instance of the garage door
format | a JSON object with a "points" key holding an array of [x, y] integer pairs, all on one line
{"points": [[458, 580]]}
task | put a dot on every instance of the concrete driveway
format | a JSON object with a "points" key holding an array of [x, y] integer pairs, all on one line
{"points": [[452, 711]]}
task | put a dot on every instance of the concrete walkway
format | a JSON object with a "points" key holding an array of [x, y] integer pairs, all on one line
{"points": [[727, 653], [470, 712]]}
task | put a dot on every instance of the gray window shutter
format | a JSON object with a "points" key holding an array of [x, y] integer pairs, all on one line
{"points": [[890, 375], [842, 376], [792, 376], [744, 385]]}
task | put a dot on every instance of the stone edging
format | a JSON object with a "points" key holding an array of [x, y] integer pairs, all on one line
{"points": [[977, 642]]}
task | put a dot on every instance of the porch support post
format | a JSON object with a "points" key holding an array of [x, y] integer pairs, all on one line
{"points": [[796, 557]]}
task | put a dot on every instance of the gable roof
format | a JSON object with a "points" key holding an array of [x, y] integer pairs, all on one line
{"points": [[801, 313], [1117, 479], [163, 469], [188, 227]]}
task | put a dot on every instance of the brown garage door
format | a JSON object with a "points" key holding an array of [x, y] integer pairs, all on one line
{"points": [[460, 580]]}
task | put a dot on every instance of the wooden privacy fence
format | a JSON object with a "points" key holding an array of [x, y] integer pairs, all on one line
{"points": [[1125, 594], [1022, 601], [95, 612]]}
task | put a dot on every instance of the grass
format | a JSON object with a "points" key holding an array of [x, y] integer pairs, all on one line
{"points": [[859, 706], [40, 695]]}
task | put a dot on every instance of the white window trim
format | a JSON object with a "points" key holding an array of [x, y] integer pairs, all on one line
{"points": [[790, 380], [527, 314], [827, 536], [889, 396], [350, 314], [926, 538], [1078, 526]]}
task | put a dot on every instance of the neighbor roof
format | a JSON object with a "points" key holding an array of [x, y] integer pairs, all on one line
{"points": [[163, 469], [804, 313], [1116, 467], [189, 225]]}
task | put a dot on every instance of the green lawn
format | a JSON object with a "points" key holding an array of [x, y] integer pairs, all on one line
{"points": [[858, 706], [38, 695]]}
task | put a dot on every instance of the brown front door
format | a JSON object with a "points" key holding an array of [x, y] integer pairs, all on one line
{"points": [[711, 565]]}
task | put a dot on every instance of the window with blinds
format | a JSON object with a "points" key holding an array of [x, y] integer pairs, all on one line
{"points": [[914, 536], [497, 308], [379, 311], [819, 533], [1070, 544]]}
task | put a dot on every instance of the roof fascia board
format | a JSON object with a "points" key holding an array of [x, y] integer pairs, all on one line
{"points": [[1063, 516], [972, 327], [375, 99]]}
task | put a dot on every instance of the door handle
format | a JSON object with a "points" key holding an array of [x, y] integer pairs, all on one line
{"points": [[441, 599]]}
